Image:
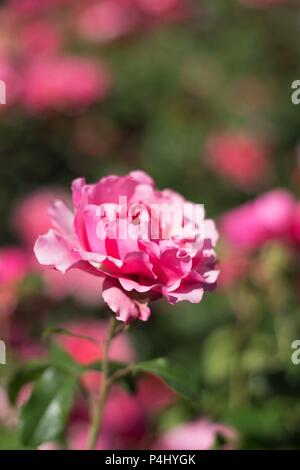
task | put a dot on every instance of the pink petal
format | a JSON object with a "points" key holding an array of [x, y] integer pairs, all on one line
{"points": [[52, 250], [126, 309]]}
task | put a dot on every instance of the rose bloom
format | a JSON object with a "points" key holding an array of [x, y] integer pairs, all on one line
{"points": [[239, 158], [134, 269], [198, 435], [267, 218], [66, 82]]}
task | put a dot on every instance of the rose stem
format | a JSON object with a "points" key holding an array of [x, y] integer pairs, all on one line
{"points": [[104, 390]]}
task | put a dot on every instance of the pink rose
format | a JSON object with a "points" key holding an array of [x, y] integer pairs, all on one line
{"points": [[198, 435], [239, 158], [268, 217], [67, 82], [139, 265]]}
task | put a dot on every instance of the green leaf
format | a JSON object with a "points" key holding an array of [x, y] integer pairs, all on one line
{"points": [[174, 376], [60, 359], [44, 416], [26, 374]]}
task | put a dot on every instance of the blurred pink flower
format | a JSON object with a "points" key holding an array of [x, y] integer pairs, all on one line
{"points": [[30, 216], [108, 19], [267, 218], [63, 83], [295, 225], [198, 435], [134, 270], [235, 265], [154, 394], [14, 265], [39, 37], [162, 7], [239, 158]]}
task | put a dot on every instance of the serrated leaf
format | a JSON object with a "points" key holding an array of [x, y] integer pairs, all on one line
{"points": [[44, 416]]}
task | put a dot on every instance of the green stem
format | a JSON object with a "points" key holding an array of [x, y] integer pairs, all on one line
{"points": [[97, 417]]}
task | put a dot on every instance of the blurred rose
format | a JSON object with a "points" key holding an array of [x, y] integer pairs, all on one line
{"points": [[198, 435], [163, 7], [39, 37], [234, 266], [239, 158], [30, 216], [154, 394], [108, 19], [268, 217], [14, 265], [64, 83]]}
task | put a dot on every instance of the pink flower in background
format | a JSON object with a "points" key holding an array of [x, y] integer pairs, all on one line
{"points": [[14, 264], [154, 394], [30, 216], [295, 225], [239, 158], [164, 8], [134, 270], [108, 19], [39, 37], [269, 217], [198, 435], [67, 82], [235, 266]]}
